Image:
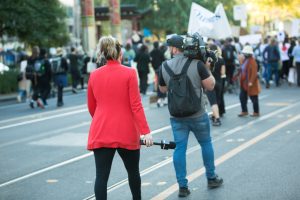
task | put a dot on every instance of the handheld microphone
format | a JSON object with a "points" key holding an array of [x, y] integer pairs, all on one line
{"points": [[163, 144]]}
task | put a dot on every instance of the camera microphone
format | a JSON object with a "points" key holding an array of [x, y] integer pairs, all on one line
{"points": [[163, 144]]}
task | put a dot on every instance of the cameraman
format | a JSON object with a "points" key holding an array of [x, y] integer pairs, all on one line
{"points": [[198, 123]]}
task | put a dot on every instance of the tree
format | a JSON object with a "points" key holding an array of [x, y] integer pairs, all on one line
{"points": [[262, 11], [34, 22]]}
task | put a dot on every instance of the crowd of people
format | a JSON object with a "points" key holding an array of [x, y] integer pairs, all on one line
{"points": [[121, 121], [44, 74]]}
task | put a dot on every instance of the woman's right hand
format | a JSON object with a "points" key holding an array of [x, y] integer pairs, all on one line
{"points": [[148, 140]]}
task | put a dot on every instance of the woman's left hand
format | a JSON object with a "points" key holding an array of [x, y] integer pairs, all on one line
{"points": [[250, 84]]}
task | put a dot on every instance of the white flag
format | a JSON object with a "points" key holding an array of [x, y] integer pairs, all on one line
{"points": [[201, 21], [212, 25], [221, 26]]}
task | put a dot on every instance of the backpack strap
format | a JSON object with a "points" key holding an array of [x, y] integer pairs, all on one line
{"points": [[183, 71], [167, 68], [186, 66]]}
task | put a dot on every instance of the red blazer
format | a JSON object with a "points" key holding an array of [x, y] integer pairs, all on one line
{"points": [[114, 103]]}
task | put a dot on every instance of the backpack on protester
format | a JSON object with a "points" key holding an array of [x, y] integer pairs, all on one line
{"points": [[182, 98], [228, 54], [56, 67], [39, 67], [29, 72]]}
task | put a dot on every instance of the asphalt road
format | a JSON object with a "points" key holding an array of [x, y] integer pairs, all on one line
{"points": [[43, 153]]}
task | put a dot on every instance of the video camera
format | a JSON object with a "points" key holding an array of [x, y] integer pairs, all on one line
{"points": [[163, 144], [194, 47]]}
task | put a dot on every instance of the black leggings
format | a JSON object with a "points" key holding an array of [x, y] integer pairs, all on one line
{"points": [[103, 160]]}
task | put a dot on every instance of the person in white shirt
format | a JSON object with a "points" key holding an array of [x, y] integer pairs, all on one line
{"points": [[284, 47]]}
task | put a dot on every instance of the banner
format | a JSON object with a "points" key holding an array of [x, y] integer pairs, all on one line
{"points": [[212, 25], [222, 27], [240, 12]]}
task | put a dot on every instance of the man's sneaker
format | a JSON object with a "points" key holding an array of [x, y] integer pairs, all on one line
{"points": [[74, 91], [160, 102], [183, 192], [165, 101], [216, 122], [215, 182], [60, 104]]}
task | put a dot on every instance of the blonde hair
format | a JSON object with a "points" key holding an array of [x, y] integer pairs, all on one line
{"points": [[108, 48]]}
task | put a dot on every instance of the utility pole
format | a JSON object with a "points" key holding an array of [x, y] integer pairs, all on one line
{"points": [[88, 25], [115, 17]]}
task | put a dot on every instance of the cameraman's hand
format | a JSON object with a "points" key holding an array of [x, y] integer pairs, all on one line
{"points": [[147, 140]]}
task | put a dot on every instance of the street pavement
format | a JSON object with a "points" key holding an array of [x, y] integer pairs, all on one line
{"points": [[43, 153]]}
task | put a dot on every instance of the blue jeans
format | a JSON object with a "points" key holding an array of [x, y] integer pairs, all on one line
{"points": [[201, 128], [273, 67]]}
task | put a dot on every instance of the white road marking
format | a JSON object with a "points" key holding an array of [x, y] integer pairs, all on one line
{"points": [[46, 169], [172, 189], [33, 137], [161, 183], [43, 119], [65, 139], [146, 184], [46, 118], [52, 181], [40, 115]]}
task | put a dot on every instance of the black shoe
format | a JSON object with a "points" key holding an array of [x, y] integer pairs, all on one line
{"points": [[216, 122], [183, 192], [74, 91], [31, 104], [215, 182], [60, 104], [212, 118]]}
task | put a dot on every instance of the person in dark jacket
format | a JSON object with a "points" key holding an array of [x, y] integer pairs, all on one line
{"points": [[60, 75], [29, 72], [143, 60], [271, 55], [216, 96], [74, 69], [157, 57], [42, 79]]}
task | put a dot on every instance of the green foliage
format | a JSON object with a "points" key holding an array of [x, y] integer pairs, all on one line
{"points": [[173, 15], [8, 82], [34, 22]]}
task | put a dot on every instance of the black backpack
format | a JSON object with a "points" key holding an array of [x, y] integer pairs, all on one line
{"points": [[39, 67], [182, 98], [228, 54], [56, 66], [29, 72]]}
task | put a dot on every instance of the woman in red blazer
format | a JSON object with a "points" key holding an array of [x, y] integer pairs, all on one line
{"points": [[118, 118], [249, 82]]}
